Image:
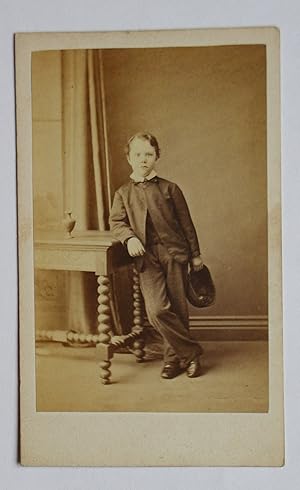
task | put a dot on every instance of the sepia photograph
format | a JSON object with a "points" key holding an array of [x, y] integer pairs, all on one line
{"points": [[154, 243], [195, 119]]}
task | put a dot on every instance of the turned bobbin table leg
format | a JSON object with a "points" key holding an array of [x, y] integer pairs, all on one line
{"points": [[104, 347], [138, 344]]}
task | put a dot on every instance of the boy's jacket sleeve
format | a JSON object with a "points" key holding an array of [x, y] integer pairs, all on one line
{"points": [[185, 220], [118, 220]]}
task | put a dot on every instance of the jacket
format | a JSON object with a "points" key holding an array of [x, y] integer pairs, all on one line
{"points": [[165, 203]]}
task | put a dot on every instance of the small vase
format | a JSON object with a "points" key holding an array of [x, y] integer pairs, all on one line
{"points": [[68, 224]]}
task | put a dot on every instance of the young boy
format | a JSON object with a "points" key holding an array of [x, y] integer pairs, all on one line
{"points": [[151, 218]]}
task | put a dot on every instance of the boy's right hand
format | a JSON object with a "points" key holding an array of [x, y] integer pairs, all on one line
{"points": [[135, 247]]}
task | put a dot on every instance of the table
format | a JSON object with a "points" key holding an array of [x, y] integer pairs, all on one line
{"points": [[100, 253]]}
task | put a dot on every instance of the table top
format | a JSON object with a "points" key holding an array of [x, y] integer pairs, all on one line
{"points": [[96, 251], [85, 239]]}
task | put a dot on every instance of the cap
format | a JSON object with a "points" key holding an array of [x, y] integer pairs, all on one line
{"points": [[201, 291]]}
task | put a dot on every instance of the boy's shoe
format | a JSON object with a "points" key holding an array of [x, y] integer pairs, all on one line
{"points": [[193, 369], [171, 370]]}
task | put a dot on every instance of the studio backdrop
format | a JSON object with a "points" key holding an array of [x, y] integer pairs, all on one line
{"points": [[207, 108]]}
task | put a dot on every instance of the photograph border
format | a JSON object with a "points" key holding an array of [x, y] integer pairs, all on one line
{"points": [[68, 439]]}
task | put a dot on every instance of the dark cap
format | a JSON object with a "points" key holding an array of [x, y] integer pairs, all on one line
{"points": [[201, 291]]}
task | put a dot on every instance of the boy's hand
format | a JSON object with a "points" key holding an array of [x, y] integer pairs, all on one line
{"points": [[135, 247], [197, 263]]}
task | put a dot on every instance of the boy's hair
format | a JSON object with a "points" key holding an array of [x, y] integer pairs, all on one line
{"points": [[144, 136]]}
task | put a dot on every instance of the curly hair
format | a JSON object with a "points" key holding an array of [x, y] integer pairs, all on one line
{"points": [[147, 137]]}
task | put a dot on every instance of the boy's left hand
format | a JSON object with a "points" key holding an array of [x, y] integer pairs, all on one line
{"points": [[197, 263]]}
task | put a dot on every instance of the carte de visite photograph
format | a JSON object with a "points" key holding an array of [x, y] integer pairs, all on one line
{"points": [[193, 120], [152, 226]]}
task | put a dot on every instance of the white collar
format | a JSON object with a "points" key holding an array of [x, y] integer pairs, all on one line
{"points": [[138, 178]]}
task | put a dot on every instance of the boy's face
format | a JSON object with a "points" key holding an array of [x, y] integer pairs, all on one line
{"points": [[141, 157]]}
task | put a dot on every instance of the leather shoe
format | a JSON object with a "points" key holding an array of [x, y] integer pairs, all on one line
{"points": [[171, 370], [193, 369]]}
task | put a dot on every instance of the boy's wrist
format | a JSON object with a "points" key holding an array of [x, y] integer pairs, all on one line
{"points": [[127, 240]]}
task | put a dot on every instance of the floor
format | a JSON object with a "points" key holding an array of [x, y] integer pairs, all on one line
{"points": [[235, 379]]}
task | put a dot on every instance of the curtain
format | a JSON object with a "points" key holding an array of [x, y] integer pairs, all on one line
{"points": [[85, 169]]}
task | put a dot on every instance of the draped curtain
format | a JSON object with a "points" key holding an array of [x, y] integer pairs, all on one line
{"points": [[85, 168]]}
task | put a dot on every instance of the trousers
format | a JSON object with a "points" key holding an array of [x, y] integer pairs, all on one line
{"points": [[163, 285]]}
